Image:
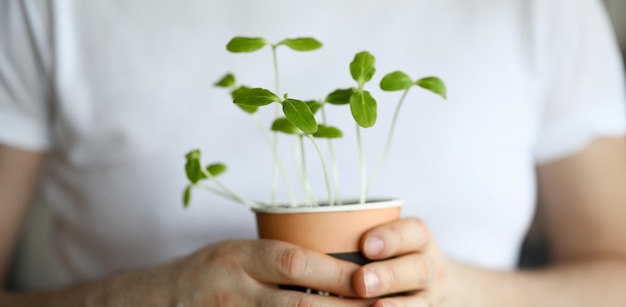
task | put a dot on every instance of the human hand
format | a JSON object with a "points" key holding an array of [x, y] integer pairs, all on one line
{"points": [[247, 272], [410, 263]]}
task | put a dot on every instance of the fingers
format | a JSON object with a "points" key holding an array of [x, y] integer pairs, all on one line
{"points": [[419, 299], [282, 263], [408, 273], [272, 297], [395, 238]]}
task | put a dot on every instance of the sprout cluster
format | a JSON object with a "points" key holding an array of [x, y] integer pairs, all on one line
{"points": [[298, 118]]}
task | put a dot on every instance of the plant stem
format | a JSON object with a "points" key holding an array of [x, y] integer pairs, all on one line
{"points": [[276, 75], [232, 195], [308, 191], [277, 159], [245, 201], [275, 140], [333, 162], [331, 200], [363, 166], [389, 138], [260, 126], [216, 191], [274, 170], [292, 197], [297, 154]]}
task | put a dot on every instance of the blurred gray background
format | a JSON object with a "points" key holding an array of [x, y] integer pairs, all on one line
{"points": [[617, 11]]}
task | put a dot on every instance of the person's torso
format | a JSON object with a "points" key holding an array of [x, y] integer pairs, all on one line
{"points": [[134, 94]]}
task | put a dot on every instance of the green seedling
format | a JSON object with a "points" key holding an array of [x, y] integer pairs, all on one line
{"points": [[298, 118]]}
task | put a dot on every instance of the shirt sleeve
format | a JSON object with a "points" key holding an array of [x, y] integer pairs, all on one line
{"points": [[582, 91], [25, 69]]}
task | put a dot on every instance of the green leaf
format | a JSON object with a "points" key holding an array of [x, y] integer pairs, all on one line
{"points": [[238, 90], [327, 132], [245, 44], [396, 81], [216, 169], [187, 196], [193, 168], [302, 43], [193, 155], [246, 108], [363, 108], [227, 81], [283, 125], [300, 115], [314, 105], [255, 97], [362, 67], [434, 85], [340, 96]]}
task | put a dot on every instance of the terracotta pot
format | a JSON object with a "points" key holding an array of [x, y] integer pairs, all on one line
{"points": [[335, 230]]}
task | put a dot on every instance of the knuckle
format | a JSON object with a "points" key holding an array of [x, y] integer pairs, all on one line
{"points": [[422, 231], [394, 239], [222, 257], [424, 270], [394, 281], [292, 264], [341, 275], [420, 225], [221, 253], [439, 266]]}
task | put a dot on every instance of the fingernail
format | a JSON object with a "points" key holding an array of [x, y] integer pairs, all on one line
{"points": [[373, 246], [371, 282]]}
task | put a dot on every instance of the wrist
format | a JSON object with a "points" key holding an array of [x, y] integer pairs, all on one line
{"points": [[473, 286], [149, 287], [153, 287]]}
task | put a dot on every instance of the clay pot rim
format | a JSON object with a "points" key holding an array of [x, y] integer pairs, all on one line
{"points": [[350, 205]]}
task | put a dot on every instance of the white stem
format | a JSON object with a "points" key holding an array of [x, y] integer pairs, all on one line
{"points": [[243, 200], [331, 200], [216, 191], [277, 160], [335, 170], [275, 169], [333, 162], [363, 193], [298, 165], [262, 128], [281, 166], [308, 191], [292, 196], [379, 168], [276, 74], [232, 194]]}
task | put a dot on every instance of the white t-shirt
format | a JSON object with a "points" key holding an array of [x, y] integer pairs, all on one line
{"points": [[118, 91]]}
